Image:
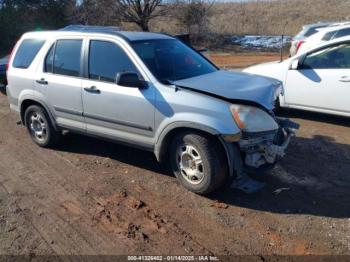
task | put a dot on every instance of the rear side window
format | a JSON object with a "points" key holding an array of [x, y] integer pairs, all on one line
{"points": [[26, 52], [328, 36], [342, 32], [64, 58], [106, 59], [49, 60]]}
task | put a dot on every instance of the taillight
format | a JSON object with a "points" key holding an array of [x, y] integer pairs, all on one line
{"points": [[299, 44], [9, 60]]}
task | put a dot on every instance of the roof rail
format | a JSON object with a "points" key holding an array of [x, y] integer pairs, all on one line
{"points": [[91, 28]]}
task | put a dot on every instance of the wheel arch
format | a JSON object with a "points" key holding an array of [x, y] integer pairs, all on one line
{"points": [[29, 102], [162, 146], [171, 130]]}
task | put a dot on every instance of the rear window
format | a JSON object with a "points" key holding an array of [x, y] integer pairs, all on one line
{"points": [[313, 30], [26, 52]]}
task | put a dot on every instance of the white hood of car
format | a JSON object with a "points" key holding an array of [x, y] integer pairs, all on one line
{"points": [[276, 69]]}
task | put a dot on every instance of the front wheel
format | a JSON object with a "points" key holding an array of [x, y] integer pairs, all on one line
{"points": [[198, 162], [40, 127]]}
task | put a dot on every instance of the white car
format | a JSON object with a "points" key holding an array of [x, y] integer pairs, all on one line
{"points": [[324, 35], [307, 31], [315, 80]]}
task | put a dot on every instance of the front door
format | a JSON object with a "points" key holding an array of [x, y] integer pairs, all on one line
{"points": [[114, 111], [322, 81]]}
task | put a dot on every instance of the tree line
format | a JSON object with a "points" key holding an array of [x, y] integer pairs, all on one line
{"points": [[19, 16]]}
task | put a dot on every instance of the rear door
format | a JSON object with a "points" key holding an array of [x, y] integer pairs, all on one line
{"points": [[322, 81], [60, 82]]}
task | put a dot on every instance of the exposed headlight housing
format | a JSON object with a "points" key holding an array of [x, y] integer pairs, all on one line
{"points": [[252, 119], [278, 91]]}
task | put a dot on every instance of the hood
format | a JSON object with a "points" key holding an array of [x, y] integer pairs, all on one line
{"points": [[234, 86], [276, 70]]}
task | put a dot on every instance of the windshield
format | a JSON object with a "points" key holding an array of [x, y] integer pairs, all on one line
{"points": [[170, 59]]}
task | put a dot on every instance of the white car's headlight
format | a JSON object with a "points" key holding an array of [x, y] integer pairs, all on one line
{"points": [[252, 119], [278, 91]]}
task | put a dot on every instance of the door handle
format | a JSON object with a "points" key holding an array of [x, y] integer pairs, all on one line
{"points": [[345, 79], [42, 81], [92, 89]]}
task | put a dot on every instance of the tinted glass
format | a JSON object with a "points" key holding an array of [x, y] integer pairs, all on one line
{"points": [[67, 57], [106, 59], [328, 36], [310, 32], [49, 60], [26, 52], [313, 30], [170, 59], [333, 57], [343, 32]]}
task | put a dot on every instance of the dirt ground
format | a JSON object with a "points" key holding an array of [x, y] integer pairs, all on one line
{"points": [[244, 58], [89, 197]]}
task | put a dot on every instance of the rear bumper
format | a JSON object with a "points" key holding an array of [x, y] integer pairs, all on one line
{"points": [[262, 150]]}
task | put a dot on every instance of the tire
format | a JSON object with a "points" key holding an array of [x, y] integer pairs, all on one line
{"points": [[211, 169], [39, 126]]}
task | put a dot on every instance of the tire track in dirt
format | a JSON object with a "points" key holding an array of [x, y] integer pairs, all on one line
{"points": [[66, 186]]}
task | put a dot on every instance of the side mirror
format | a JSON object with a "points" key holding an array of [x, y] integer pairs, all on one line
{"points": [[130, 79], [294, 65]]}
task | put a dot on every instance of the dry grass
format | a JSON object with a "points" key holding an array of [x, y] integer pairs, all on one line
{"points": [[265, 17]]}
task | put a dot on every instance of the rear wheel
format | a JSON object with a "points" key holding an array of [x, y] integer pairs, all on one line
{"points": [[40, 127], [198, 162]]}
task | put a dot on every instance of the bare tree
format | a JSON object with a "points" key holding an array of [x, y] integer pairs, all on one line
{"points": [[140, 12], [194, 16], [97, 12]]}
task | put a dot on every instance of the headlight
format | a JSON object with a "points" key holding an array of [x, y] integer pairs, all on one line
{"points": [[252, 119]]}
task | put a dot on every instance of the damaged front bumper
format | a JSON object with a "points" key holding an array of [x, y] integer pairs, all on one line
{"points": [[264, 149], [256, 153]]}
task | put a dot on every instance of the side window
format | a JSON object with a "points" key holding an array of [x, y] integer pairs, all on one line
{"points": [[49, 60], [26, 52], [106, 59], [328, 36], [333, 57], [65, 58], [343, 32]]}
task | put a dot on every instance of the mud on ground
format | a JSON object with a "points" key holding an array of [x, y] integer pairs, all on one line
{"points": [[91, 197]]}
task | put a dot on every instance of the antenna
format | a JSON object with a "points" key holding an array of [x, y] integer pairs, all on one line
{"points": [[282, 38]]}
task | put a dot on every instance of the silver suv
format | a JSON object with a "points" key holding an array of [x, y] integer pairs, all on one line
{"points": [[150, 91]]}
